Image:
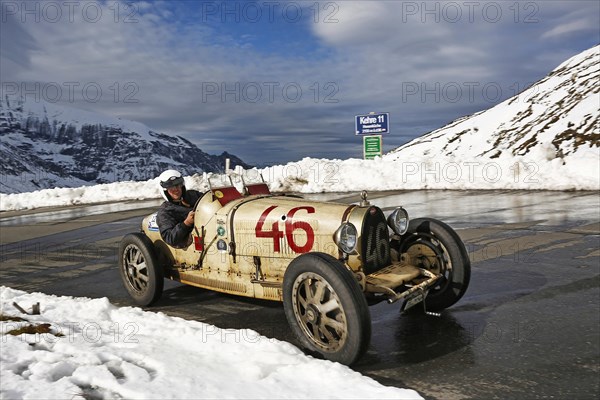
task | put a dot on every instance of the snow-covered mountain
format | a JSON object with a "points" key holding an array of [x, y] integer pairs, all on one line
{"points": [[44, 145], [556, 120]]}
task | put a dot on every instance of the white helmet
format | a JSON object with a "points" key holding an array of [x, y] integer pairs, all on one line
{"points": [[168, 179]]}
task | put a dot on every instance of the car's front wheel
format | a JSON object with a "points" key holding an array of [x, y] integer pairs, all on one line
{"points": [[325, 308], [142, 276], [435, 246]]}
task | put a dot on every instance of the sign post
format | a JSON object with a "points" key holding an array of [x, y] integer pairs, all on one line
{"points": [[372, 147], [371, 126]]}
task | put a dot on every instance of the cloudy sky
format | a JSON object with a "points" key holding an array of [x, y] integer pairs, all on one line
{"points": [[276, 81]]}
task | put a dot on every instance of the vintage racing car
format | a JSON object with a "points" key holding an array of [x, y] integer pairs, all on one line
{"points": [[327, 262]]}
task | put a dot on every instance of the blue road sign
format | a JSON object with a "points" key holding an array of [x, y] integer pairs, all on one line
{"points": [[372, 124]]}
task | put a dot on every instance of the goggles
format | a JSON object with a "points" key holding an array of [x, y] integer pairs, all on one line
{"points": [[172, 181]]}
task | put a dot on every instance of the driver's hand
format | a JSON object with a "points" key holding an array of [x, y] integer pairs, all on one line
{"points": [[189, 220]]}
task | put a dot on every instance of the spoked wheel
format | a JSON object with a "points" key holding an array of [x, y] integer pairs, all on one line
{"points": [[140, 273], [320, 312], [325, 308], [433, 245]]}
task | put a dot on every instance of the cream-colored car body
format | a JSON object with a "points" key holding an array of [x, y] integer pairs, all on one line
{"points": [[243, 245]]}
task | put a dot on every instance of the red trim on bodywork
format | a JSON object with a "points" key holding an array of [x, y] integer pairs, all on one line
{"points": [[227, 194], [258, 188]]}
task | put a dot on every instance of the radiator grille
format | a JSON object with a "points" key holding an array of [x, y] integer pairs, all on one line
{"points": [[375, 243]]}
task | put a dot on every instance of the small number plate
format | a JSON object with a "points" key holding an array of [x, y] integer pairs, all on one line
{"points": [[414, 299]]}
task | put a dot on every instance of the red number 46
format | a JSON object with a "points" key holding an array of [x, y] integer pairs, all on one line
{"points": [[290, 226]]}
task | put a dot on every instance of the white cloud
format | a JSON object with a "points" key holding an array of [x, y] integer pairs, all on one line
{"points": [[579, 25]]}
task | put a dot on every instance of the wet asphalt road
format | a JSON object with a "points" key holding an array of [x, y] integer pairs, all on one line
{"points": [[528, 327]]}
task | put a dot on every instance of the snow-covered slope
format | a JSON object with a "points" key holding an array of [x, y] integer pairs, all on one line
{"points": [[552, 125], [44, 145]]}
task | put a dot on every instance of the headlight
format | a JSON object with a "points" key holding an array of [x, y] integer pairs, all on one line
{"points": [[398, 221], [345, 237]]}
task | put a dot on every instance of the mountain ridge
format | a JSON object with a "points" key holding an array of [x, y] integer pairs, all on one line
{"points": [[44, 145]]}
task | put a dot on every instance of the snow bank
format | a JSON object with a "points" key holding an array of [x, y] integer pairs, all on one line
{"points": [[110, 352], [580, 171]]}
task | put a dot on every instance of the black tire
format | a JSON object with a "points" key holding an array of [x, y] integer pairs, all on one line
{"points": [[342, 332], [141, 274], [435, 246]]}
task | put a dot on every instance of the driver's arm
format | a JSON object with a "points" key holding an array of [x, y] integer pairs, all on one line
{"points": [[172, 232]]}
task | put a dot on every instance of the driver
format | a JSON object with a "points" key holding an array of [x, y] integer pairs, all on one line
{"points": [[175, 217]]}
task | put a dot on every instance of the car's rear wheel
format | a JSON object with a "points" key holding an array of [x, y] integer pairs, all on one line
{"points": [[140, 272], [325, 308], [435, 246]]}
